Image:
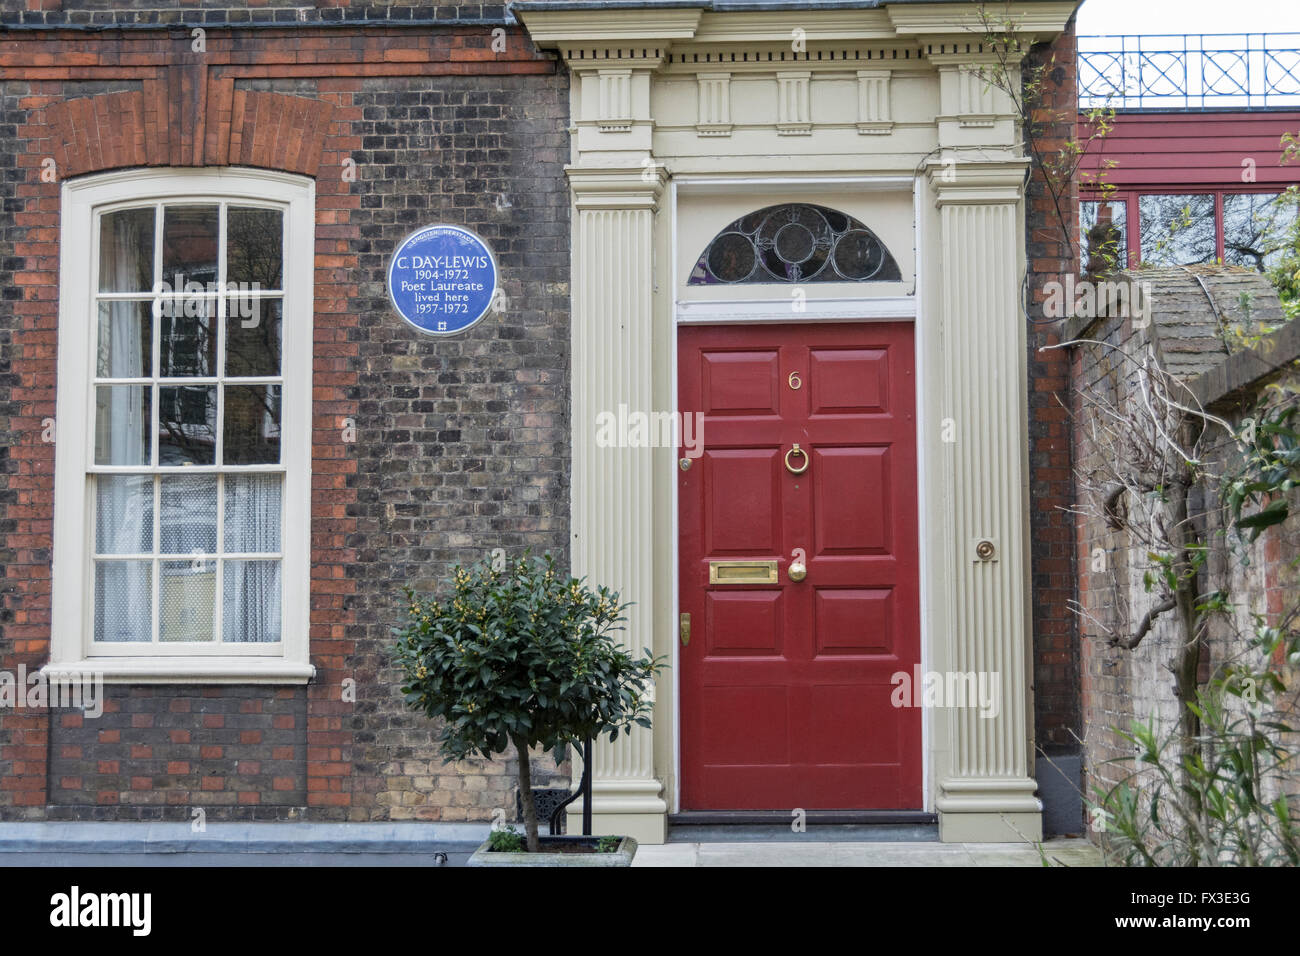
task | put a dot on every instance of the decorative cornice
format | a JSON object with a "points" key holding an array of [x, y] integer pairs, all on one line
{"points": [[979, 182], [552, 28], [815, 37], [963, 19], [783, 26], [617, 187], [768, 57], [581, 59]]}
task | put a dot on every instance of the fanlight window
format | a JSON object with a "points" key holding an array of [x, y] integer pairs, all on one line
{"points": [[795, 242]]}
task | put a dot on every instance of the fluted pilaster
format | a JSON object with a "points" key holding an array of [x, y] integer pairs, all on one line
{"points": [[612, 496], [986, 791]]}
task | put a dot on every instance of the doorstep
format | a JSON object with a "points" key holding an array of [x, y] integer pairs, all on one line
{"points": [[1059, 852], [813, 833]]}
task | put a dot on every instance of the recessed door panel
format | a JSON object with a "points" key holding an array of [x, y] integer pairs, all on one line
{"points": [[742, 493], [740, 383], [848, 381], [743, 623], [854, 622], [852, 506]]}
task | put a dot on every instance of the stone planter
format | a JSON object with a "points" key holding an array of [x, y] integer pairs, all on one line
{"points": [[553, 855]]}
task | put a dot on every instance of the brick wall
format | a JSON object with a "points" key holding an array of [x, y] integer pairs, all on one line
{"points": [[1120, 686], [1057, 718], [457, 446], [163, 752]]}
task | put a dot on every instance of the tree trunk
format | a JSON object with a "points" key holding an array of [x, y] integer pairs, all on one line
{"points": [[526, 797], [1186, 664]]}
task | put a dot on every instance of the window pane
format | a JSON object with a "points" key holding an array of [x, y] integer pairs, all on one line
{"points": [[1255, 228], [189, 515], [253, 341], [1177, 230], [186, 593], [794, 242], [126, 251], [121, 424], [251, 602], [187, 337], [123, 601], [187, 425], [189, 245], [253, 247], [123, 514], [252, 513], [252, 425], [125, 340], [1103, 235]]}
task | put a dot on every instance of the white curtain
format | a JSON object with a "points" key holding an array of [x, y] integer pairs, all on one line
{"points": [[252, 588], [124, 595]]}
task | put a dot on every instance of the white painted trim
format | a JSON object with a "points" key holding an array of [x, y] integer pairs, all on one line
{"points": [[812, 183], [922, 331], [716, 312], [182, 670], [71, 615], [676, 799]]}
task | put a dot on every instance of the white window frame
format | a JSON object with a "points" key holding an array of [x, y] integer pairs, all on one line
{"points": [[73, 653]]}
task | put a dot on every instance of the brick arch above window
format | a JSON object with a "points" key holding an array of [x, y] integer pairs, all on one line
{"points": [[174, 122]]}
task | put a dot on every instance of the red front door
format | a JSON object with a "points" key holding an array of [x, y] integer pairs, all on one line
{"points": [[786, 685]]}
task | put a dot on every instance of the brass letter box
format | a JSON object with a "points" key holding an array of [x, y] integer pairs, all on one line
{"points": [[742, 572]]}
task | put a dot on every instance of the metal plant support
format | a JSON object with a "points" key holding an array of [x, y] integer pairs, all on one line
{"points": [[1192, 71], [584, 791]]}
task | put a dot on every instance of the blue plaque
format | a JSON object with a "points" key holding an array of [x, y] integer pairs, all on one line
{"points": [[442, 279]]}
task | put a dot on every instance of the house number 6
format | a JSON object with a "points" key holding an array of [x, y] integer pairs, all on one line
{"points": [[796, 382]]}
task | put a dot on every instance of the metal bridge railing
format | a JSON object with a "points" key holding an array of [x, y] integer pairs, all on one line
{"points": [[1190, 71]]}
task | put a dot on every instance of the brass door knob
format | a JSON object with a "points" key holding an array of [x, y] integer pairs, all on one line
{"points": [[798, 571]]}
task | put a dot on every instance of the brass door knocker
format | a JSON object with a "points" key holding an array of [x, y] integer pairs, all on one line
{"points": [[796, 450]]}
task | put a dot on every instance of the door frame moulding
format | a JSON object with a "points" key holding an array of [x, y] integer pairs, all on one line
{"points": [[657, 46], [839, 309]]}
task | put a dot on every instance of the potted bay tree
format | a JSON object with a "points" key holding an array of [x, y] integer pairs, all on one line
{"points": [[521, 655]]}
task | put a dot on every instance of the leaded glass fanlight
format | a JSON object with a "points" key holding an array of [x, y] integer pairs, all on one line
{"points": [[795, 242]]}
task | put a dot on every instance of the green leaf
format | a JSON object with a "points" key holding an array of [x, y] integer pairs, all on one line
{"points": [[1275, 513]]}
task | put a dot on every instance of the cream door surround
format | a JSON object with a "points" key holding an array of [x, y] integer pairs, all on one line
{"points": [[889, 91]]}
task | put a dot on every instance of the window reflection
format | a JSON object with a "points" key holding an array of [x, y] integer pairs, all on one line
{"points": [[1177, 230], [1255, 229]]}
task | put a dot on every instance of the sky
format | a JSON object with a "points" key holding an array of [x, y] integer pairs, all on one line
{"points": [[1111, 17]]}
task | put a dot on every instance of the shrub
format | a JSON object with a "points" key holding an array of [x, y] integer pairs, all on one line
{"points": [[523, 655]]}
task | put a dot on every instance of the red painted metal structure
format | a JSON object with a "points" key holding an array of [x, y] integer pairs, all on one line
{"points": [[1195, 152]]}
